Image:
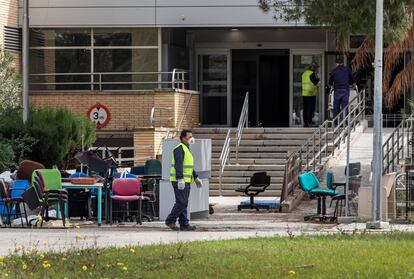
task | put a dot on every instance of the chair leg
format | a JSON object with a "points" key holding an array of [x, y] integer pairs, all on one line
{"points": [[110, 213], [324, 205], [62, 213], [8, 213], [140, 211], [153, 209], [25, 214], [319, 206]]}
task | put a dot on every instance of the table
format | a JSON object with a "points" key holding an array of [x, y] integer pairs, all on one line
{"points": [[98, 186]]}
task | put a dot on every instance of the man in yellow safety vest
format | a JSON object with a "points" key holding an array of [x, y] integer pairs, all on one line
{"points": [[310, 82], [182, 175]]}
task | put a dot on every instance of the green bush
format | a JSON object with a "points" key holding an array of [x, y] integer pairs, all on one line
{"points": [[6, 157], [56, 132]]}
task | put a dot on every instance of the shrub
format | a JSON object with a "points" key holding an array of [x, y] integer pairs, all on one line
{"points": [[50, 136], [6, 157], [10, 82]]}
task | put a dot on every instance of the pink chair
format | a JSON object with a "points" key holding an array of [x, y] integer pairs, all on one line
{"points": [[126, 190]]}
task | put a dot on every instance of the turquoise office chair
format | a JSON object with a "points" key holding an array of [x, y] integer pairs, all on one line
{"points": [[310, 183]]}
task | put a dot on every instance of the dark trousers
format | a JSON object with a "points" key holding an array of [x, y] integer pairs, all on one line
{"points": [[341, 100], [309, 103], [179, 209]]}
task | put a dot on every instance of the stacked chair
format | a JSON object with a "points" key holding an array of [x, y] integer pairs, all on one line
{"points": [[47, 184], [12, 199]]}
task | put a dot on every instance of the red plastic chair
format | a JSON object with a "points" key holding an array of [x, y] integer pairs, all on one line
{"points": [[126, 190]]}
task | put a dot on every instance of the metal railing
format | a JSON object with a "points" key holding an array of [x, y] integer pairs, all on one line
{"points": [[114, 81], [224, 157], [120, 156], [225, 151], [398, 145], [321, 144], [160, 117], [243, 122]]}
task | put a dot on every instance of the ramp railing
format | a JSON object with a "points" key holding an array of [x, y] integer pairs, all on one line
{"points": [[313, 153]]}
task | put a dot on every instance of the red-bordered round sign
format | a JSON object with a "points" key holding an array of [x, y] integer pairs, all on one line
{"points": [[99, 114]]}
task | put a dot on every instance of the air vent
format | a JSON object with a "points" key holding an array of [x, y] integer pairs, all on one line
{"points": [[12, 39]]}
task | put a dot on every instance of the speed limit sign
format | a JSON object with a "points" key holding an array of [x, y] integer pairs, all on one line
{"points": [[99, 114]]}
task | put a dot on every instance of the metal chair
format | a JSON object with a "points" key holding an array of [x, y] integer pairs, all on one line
{"points": [[258, 184], [124, 191]]}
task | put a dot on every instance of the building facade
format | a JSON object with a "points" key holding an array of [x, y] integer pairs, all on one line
{"points": [[223, 48]]}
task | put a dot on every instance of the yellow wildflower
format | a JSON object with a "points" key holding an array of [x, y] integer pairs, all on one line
{"points": [[132, 250], [42, 256], [77, 235], [46, 265], [292, 272], [24, 266], [78, 227], [84, 268], [119, 264], [63, 259], [125, 268]]}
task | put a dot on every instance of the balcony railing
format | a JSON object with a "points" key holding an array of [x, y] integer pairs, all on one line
{"points": [[113, 81]]}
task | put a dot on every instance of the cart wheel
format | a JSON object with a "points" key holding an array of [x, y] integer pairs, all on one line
{"points": [[210, 210]]}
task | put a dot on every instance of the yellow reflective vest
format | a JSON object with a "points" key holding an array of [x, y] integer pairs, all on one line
{"points": [[188, 165], [308, 88]]}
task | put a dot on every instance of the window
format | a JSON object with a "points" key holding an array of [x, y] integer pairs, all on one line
{"points": [[94, 59]]}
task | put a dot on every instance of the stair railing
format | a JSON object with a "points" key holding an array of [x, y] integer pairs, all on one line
{"points": [[225, 151], [398, 145], [224, 157], [243, 122], [321, 144]]}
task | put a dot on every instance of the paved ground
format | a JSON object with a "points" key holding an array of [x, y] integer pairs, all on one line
{"points": [[226, 223]]}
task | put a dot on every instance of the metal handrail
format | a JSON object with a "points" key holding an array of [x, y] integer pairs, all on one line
{"points": [[243, 122], [224, 157], [177, 81], [397, 145], [322, 143], [160, 117]]}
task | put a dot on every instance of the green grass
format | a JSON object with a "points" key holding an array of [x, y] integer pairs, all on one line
{"points": [[340, 256]]}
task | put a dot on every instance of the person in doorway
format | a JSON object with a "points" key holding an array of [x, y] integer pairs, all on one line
{"points": [[310, 81], [340, 78], [182, 174]]}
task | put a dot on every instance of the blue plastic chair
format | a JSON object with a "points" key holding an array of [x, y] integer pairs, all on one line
{"points": [[310, 183]]}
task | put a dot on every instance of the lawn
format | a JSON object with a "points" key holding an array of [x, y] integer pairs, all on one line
{"points": [[340, 256]]}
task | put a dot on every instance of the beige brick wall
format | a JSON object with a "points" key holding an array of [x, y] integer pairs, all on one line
{"points": [[8, 16], [128, 110], [148, 144]]}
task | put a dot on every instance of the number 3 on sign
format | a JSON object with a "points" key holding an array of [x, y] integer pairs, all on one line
{"points": [[99, 114]]}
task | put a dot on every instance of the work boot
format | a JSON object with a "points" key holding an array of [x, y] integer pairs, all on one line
{"points": [[188, 228], [173, 227]]}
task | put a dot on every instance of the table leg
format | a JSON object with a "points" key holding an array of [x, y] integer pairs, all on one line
{"points": [[99, 205]]}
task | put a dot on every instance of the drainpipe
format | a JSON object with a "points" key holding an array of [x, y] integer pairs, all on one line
{"points": [[25, 60]]}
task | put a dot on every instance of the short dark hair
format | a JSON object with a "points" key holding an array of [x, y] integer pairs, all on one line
{"points": [[184, 133]]}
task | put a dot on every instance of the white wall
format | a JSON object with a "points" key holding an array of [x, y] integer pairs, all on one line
{"points": [[162, 13]]}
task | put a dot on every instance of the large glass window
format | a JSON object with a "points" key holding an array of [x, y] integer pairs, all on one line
{"points": [[94, 59]]}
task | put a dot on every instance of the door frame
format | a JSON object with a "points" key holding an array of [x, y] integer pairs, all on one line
{"points": [[214, 51], [321, 92]]}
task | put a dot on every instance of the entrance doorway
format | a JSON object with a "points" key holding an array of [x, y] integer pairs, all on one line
{"points": [[265, 75]]}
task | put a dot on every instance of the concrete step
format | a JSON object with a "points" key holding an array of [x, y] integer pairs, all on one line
{"points": [[231, 192], [255, 136], [250, 167], [215, 174], [257, 149], [253, 161], [259, 130], [285, 142], [243, 180]]}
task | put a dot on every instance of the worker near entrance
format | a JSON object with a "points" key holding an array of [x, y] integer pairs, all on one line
{"points": [[182, 175], [340, 78], [310, 81]]}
